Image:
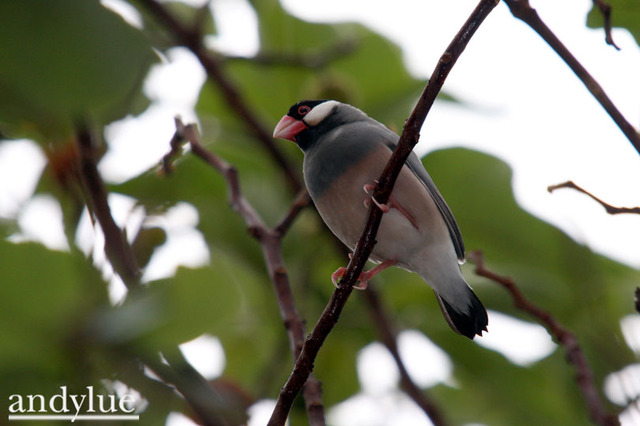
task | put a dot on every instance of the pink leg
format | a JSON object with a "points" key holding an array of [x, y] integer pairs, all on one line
{"points": [[392, 204], [363, 279], [337, 275]]}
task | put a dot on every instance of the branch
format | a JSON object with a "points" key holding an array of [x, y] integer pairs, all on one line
{"points": [[302, 201], [388, 336], [608, 207], [192, 39], [188, 381], [522, 10], [605, 10], [116, 246], [209, 406], [328, 319], [565, 338], [270, 242]]}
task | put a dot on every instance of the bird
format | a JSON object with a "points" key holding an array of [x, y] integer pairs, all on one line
{"points": [[345, 151]]}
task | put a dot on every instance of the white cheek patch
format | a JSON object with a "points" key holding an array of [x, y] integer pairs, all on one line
{"points": [[319, 113]]}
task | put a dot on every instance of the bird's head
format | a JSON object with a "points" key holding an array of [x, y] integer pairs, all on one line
{"points": [[309, 119]]}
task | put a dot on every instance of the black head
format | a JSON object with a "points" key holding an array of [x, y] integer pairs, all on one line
{"points": [[307, 120], [302, 108]]}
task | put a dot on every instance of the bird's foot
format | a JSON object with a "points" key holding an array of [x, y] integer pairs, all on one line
{"points": [[363, 279], [368, 189], [360, 284], [392, 204]]}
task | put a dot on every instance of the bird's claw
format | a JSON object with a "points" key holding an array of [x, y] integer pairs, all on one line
{"points": [[368, 189], [339, 273]]}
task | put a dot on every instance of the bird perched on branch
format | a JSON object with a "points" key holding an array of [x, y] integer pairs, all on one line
{"points": [[344, 152]]}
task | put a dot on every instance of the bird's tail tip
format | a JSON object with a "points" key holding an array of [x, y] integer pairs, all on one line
{"points": [[470, 320]]}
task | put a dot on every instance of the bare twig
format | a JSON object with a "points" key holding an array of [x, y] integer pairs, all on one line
{"points": [[116, 246], [270, 242], [302, 201], [192, 39], [210, 408], [605, 10], [566, 338], [388, 337], [521, 9], [304, 363], [608, 207], [188, 381]]}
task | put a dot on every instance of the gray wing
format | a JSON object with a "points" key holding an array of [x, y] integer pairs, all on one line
{"points": [[414, 164]]}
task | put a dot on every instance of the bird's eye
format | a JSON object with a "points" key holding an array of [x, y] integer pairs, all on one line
{"points": [[303, 109]]}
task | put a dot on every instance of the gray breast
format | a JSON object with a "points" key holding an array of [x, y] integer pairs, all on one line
{"points": [[334, 153]]}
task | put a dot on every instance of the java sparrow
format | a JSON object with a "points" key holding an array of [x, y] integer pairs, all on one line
{"points": [[344, 152]]}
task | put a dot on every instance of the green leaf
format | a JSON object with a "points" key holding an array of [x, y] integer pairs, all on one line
{"points": [[64, 60], [45, 295], [174, 310]]}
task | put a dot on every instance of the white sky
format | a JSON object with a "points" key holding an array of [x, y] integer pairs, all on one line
{"points": [[526, 108]]}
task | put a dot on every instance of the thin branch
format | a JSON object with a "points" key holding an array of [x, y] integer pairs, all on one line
{"points": [[328, 319], [116, 246], [122, 258], [608, 207], [270, 242], [302, 201], [192, 39], [388, 337], [565, 338], [522, 10], [605, 10], [209, 406]]}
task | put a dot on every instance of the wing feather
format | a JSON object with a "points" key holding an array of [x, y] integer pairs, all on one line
{"points": [[414, 164]]}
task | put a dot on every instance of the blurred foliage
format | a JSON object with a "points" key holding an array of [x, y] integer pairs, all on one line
{"points": [[65, 60], [57, 325]]}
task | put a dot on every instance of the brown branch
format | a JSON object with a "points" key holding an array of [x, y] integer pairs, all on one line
{"points": [[270, 242], [522, 10], [188, 381], [328, 319], [565, 338], [116, 246], [209, 406], [302, 201], [388, 337], [605, 10], [608, 207], [192, 39]]}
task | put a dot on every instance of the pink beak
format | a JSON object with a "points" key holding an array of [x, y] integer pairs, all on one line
{"points": [[288, 128]]}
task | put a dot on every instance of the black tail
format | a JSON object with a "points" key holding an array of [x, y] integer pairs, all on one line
{"points": [[473, 321]]}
